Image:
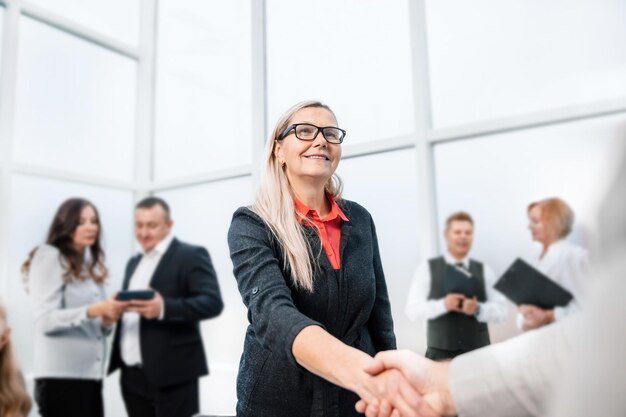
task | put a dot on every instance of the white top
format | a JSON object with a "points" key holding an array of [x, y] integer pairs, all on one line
{"points": [[418, 306], [130, 340], [567, 265], [67, 343]]}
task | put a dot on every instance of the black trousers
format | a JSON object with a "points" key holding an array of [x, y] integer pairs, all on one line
{"points": [[442, 354], [63, 397], [142, 399]]}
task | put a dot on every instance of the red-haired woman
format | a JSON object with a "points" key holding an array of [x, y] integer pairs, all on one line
{"points": [[550, 221], [65, 278]]}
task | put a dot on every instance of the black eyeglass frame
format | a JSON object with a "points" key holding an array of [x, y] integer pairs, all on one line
{"points": [[293, 127]]}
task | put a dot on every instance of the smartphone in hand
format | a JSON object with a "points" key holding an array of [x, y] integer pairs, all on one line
{"points": [[127, 295]]}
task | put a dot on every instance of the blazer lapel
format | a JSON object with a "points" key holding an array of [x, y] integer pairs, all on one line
{"points": [[165, 260], [131, 270]]}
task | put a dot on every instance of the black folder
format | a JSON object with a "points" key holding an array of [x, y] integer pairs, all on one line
{"points": [[459, 282], [523, 284]]}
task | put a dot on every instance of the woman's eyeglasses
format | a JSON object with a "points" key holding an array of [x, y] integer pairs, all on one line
{"points": [[306, 131]]}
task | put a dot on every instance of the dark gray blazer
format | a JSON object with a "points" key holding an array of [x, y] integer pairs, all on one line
{"points": [[350, 303]]}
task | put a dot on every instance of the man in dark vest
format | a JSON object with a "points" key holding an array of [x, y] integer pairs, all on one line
{"points": [[457, 323]]}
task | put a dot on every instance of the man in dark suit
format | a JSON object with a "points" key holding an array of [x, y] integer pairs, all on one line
{"points": [[157, 344]]}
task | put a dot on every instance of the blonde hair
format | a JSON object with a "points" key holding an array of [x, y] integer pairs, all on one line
{"points": [[14, 401], [274, 204], [556, 214]]}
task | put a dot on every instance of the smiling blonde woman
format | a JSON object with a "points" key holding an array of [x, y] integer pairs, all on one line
{"points": [[309, 271]]}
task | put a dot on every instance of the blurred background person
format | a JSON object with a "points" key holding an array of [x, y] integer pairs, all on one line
{"points": [[309, 272], [158, 345], [65, 279], [14, 401], [456, 323], [550, 222]]}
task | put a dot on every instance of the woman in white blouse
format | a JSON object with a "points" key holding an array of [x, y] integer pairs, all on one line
{"points": [[65, 278], [550, 221]]}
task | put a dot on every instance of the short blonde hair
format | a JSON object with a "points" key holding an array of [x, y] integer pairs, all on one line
{"points": [[556, 214]]}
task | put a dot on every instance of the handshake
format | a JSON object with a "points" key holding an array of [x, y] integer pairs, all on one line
{"points": [[405, 385], [111, 309]]}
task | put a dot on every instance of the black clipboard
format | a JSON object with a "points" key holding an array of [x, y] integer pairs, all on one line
{"points": [[523, 284], [456, 281]]}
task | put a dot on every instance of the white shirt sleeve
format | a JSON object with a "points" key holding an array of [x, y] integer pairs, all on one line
{"points": [[495, 309], [417, 305], [518, 377], [575, 271]]}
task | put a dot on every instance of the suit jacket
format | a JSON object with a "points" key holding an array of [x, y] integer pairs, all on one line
{"points": [[350, 303], [171, 348]]}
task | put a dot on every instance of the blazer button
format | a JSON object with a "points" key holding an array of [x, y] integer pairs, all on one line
{"points": [[255, 290]]}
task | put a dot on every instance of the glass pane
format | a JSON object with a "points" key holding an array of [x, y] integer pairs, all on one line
{"points": [[203, 103], [333, 51], [75, 104], [33, 204], [202, 216], [491, 59], [1, 35], [495, 178], [116, 18], [389, 193]]}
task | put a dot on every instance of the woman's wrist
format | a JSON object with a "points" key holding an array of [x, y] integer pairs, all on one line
{"points": [[92, 311]]}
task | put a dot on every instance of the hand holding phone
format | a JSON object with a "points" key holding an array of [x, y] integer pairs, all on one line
{"points": [[128, 295]]}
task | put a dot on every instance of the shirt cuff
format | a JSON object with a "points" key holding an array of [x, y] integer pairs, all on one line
{"points": [[162, 313], [559, 313], [81, 317], [479, 313], [440, 308]]}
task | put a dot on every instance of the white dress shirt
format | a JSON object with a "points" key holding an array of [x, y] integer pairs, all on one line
{"points": [[418, 306], [567, 265], [130, 340]]}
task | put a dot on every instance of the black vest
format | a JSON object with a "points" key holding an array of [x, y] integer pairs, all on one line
{"points": [[454, 331]]}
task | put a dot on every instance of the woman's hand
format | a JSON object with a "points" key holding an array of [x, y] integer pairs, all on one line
{"points": [[110, 310], [392, 395], [535, 317]]}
